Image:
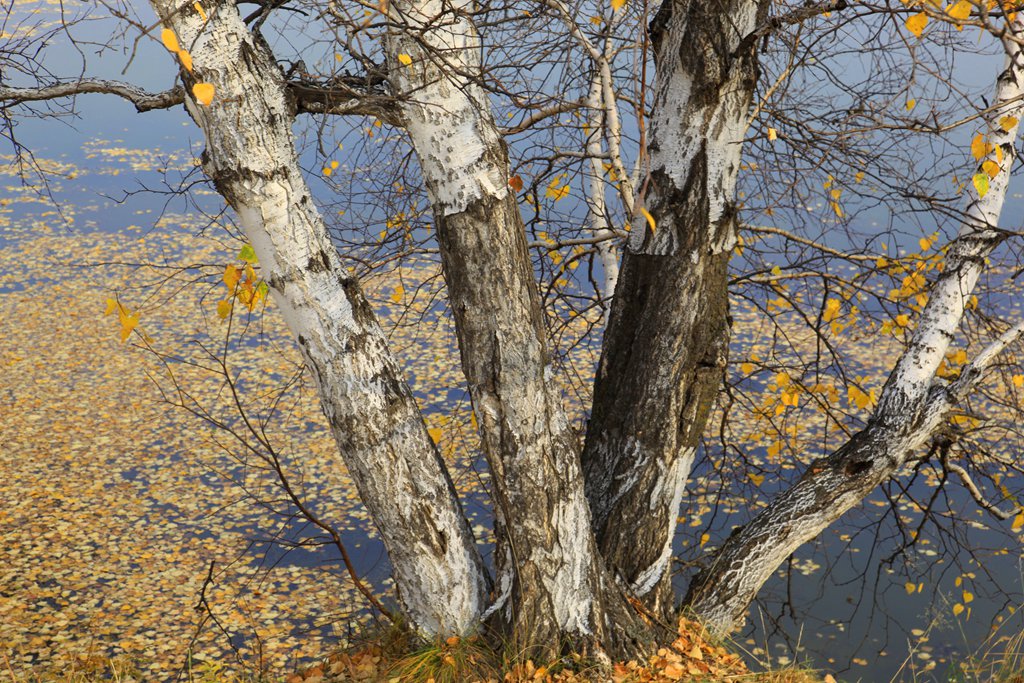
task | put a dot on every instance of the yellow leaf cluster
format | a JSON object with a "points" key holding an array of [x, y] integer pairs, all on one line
{"points": [[859, 398], [831, 311], [398, 294], [556, 190], [242, 284], [170, 41], [128, 320]]}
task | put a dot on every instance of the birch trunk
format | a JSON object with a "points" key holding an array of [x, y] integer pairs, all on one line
{"points": [[551, 590], [912, 404], [666, 344], [597, 207], [250, 156]]}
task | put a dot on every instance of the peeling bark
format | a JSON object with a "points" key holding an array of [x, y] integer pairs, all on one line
{"points": [[667, 340], [913, 404], [250, 156]]}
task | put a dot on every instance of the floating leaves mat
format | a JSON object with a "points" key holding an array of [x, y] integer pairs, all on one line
{"points": [[113, 504]]}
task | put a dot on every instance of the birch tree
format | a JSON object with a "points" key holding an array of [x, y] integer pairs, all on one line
{"points": [[585, 519]]}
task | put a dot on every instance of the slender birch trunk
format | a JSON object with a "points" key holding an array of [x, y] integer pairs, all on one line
{"points": [[912, 404], [667, 340], [597, 205], [381, 436]]}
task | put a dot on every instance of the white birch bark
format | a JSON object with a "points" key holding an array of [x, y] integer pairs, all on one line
{"points": [[250, 156], [548, 575], [597, 205], [912, 404]]}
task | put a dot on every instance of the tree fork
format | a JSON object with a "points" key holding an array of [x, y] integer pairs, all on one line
{"points": [[250, 156], [667, 340]]}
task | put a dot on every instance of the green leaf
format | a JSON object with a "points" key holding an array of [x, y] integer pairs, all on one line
{"points": [[248, 254], [981, 184]]}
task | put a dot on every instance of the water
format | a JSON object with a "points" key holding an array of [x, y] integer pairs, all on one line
{"points": [[843, 602]]}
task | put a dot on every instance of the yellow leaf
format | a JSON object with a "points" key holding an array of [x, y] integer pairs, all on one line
{"points": [[748, 369], [773, 134], [203, 93], [186, 60], [556, 190], [1007, 123], [980, 182], [980, 148], [960, 10], [704, 538], [924, 243], [650, 219], [618, 4], [910, 588], [957, 609], [1018, 380], [232, 274], [859, 177], [200, 10], [224, 308], [128, 321], [916, 24], [782, 379], [398, 294], [903, 320], [1018, 521], [990, 167], [405, 59], [911, 103], [435, 434], [858, 397], [758, 479], [831, 310], [968, 597], [170, 40], [111, 306]]}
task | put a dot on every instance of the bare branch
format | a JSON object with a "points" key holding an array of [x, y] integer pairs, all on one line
{"points": [[972, 488], [142, 99]]}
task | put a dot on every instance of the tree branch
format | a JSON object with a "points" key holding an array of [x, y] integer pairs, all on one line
{"points": [[142, 99], [333, 98], [341, 98]]}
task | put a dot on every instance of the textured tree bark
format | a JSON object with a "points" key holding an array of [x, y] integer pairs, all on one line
{"points": [[552, 592], [912, 405], [250, 156], [666, 344]]}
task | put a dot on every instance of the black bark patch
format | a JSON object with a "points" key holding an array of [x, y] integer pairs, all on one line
{"points": [[318, 262], [857, 467]]}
